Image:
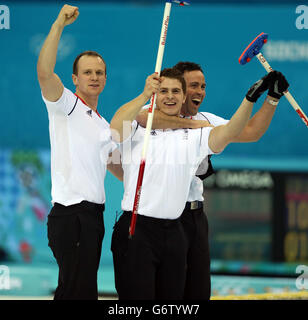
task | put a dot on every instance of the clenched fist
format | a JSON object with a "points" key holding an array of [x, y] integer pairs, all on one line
{"points": [[151, 85], [67, 15]]}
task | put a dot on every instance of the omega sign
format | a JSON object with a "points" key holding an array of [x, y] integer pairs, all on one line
{"points": [[244, 179]]}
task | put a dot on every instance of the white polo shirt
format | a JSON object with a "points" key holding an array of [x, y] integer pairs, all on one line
{"points": [[196, 186], [172, 159], [80, 145]]}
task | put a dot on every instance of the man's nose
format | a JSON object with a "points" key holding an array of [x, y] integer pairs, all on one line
{"points": [[170, 94], [94, 76], [200, 90]]}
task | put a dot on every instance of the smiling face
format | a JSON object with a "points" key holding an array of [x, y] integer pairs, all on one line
{"points": [[170, 96], [90, 79], [195, 84]]}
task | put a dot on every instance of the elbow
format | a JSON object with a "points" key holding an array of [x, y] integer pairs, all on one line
{"points": [[248, 134], [141, 120], [42, 74], [253, 135], [258, 135], [255, 139]]}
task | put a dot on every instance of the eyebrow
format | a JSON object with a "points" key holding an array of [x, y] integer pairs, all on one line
{"points": [[166, 88], [196, 82], [89, 69]]}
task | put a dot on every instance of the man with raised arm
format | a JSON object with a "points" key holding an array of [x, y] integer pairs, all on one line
{"points": [[193, 218], [152, 265], [81, 143]]}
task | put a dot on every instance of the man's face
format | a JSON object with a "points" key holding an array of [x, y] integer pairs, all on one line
{"points": [[91, 77], [195, 84], [170, 96]]}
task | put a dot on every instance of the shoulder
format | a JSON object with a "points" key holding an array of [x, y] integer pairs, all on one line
{"points": [[64, 104], [211, 118], [66, 94]]}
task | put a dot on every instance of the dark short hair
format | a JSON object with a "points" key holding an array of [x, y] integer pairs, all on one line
{"points": [[188, 66], [87, 53], [174, 73]]}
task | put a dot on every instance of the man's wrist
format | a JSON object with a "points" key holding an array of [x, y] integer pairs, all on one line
{"points": [[272, 101], [58, 25], [144, 97]]}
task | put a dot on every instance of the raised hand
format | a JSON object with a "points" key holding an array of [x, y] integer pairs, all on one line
{"points": [[151, 85], [278, 85], [67, 15]]}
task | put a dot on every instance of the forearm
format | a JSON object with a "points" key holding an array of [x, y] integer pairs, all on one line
{"points": [[48, 55], [163, 121], [239, 120], [221, 136], [258, 124], [126, 114], [276, 84]]}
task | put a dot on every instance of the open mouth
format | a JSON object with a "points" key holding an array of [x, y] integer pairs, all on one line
{"points": [[196, 101], [170, 104]]}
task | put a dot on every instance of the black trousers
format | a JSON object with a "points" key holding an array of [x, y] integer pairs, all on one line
{"points": [[75, 235], [151, 265], [198, 279]]}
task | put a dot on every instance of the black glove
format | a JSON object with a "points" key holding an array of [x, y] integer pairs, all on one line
{"points": [[259, 87], [278, 85]]}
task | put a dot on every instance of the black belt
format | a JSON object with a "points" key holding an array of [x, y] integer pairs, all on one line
{"points": [[94, 206], [155, 221], [84, 204], [194, 205]]}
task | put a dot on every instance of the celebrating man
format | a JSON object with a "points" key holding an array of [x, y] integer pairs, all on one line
{"points": [[80, 146], [152, 265]]}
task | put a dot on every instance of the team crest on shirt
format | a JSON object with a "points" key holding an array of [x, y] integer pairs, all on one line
{"points": [[153, 133], [89, 113]]}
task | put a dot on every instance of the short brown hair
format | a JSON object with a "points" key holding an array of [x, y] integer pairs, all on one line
{"points": [[87, 53], [174, 73], [188, 66]]}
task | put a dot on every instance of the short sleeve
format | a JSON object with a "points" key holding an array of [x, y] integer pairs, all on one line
{"points": [[204, 141], [65, 104], [213, 119]]}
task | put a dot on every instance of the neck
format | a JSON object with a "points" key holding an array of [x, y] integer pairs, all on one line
{"points": [[171, 115], [90, 101], [184, 111]]}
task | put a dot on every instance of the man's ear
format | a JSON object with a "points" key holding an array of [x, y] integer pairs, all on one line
{"points": [[75, 79]]}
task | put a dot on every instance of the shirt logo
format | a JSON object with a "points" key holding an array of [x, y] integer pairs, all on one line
{"points": [[153, 133], [89, 113]]}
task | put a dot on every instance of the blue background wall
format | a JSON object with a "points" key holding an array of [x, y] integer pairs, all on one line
{"points": [[126, 33], [127, 36]]}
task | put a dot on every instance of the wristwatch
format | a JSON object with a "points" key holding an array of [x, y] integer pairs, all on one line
{"points": [[272, 102]]}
